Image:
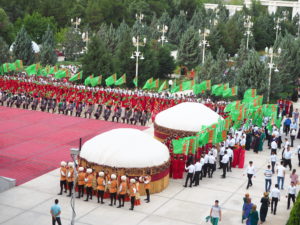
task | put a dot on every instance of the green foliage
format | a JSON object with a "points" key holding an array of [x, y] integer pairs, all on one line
{"points": [[48, 55], [36, 25], [6, 27], [4, 51], [177, 28], [294, 218], [263, 31], [22, 48], [166, 63], [73, 44]]}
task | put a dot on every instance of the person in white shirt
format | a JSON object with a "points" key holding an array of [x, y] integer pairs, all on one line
{"points": [[215, 213], [293, 135], [268, 178], [280, 175], [274, 146], [190, 174], [211, 165], [273, 160], [205, 165], [230, 155], [221, 153], [291, 194], [250, 171], [224, 162], [198, 168], [287, 157], [232, 142], [275, 196]]}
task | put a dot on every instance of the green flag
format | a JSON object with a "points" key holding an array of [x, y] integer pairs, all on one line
{"points": [[53, 70], [155, 84], [202, 87], [229, 92], [180, 146], [148, 84], [19, 64], [121, 80], [77, 76], [217, 89], [87, 80], [135, 81], [111, 80], [163, 86], [60, 74], [96, 81], [250, 93], [32, 69]]}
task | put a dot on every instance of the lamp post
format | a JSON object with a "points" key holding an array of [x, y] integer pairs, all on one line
{"points": [[204, 43], [76, 22], [163, 30], [139, 17], [271, 54], [277, 26], [74, 154], [248, 25], [137, 54]]}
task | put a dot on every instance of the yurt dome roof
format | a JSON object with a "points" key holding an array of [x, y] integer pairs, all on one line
{"points": [[34, 45], [187, 116], [125, 148]]}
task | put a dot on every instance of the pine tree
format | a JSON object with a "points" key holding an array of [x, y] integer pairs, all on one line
{"points": [[122, 31], [73, 44], [108, 35], [198, 20], [48, 55], [97, 60], [165, 19], [153, 31], [189, 51], [177, 28], [207, 71], [4, 51], [165, 62], [22, 47]]}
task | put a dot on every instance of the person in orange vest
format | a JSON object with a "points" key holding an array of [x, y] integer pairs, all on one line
{"points": [[101, 186], [113, 189], [70, 177], [63, 177], [132, 191], [122, 191], [81, 182], [147, 180], [89, 184]]}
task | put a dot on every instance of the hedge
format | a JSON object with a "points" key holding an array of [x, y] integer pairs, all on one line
{"points": [[294, 218]]}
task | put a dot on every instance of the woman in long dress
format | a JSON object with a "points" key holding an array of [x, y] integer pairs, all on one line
{"points": [[253, 216], [265, 202], [261, 141], [247, 209], [248, 140]]}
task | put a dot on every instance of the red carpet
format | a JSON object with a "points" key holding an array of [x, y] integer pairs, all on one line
{"points": [[33, 143]]}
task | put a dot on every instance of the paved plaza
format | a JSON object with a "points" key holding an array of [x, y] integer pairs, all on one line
{"points": [[30, 202]]}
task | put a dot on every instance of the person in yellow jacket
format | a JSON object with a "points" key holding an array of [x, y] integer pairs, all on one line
{"points": [[63, 177], [89, 184], [81, 182], [70, 177], [113, 185], [132, 191], [122, 191], [147, 181], [101, 187]]}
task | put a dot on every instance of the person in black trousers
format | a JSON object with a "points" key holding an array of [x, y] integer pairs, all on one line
{"points": [[190, 175], [224, 162]]}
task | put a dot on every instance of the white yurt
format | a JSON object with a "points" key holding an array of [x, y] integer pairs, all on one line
{"points": [[182, 120], [130, 152], [34, 45]]}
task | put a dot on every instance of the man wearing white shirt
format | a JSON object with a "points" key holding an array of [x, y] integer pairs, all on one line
{"points": [[224, 162], [211, 165], [221, 153], [273, 159], [291, 194], [198, 168], [250, 171], [205, 165], [230, 155], [274, 146], [280, 175], [189, 176], [275, 196], [232, 142], [268, 178], [287, 157]]}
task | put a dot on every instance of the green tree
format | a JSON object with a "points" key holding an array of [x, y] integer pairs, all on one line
{"points": [[73, 44], [165, 19], [108, 35], [189, 51], [177, 28], [207, 71], [188, 6], [97, 60], [48, 55], [166, 64], [6, 31], [36, 25], [4, 51], [22, 48], [199, 20]]}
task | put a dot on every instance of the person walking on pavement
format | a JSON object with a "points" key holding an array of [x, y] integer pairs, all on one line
{"points": [[275, 196], [198, 168], [190, 174], [268, 178], [280, 175], [224, 162], [291, 194], [215, 213], [250, 171], [273, 159], [55, 213], [287, 157], [265, 203]]}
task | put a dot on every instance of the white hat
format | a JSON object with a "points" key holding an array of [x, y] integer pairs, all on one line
{"points": [[70, 164], [80, 169], [101, 174], [132, 180], [113, 176], [63, 163], [123, 178], [141, 179], [89, 170]]}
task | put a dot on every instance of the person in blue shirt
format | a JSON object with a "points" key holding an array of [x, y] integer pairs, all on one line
{"points": [[287, 124], [55, 213]]}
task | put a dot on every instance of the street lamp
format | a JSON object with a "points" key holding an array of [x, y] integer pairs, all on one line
{"points": [[271, 65], [204, 42], [163, 30], [76, 22], [137, 54], [248, 25], [139, 17], [74, 154]]}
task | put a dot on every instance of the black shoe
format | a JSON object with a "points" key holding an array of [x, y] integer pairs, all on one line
{"points": [[86, 200], [102, 202], [184, 186], [147, 201], [65, 191], [110, 205], [78, 197], [119, 206], [59, 193], [131, 209], [68, 195]]}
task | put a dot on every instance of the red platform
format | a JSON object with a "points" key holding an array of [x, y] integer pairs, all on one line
{"points": [[33, 143]]}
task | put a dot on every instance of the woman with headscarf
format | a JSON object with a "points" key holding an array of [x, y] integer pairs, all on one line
{"points": [[265, 203], [247, 209], [253, 216]]}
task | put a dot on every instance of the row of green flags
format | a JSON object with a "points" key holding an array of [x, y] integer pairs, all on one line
{"points": [[95, 81], [250, 110]]}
